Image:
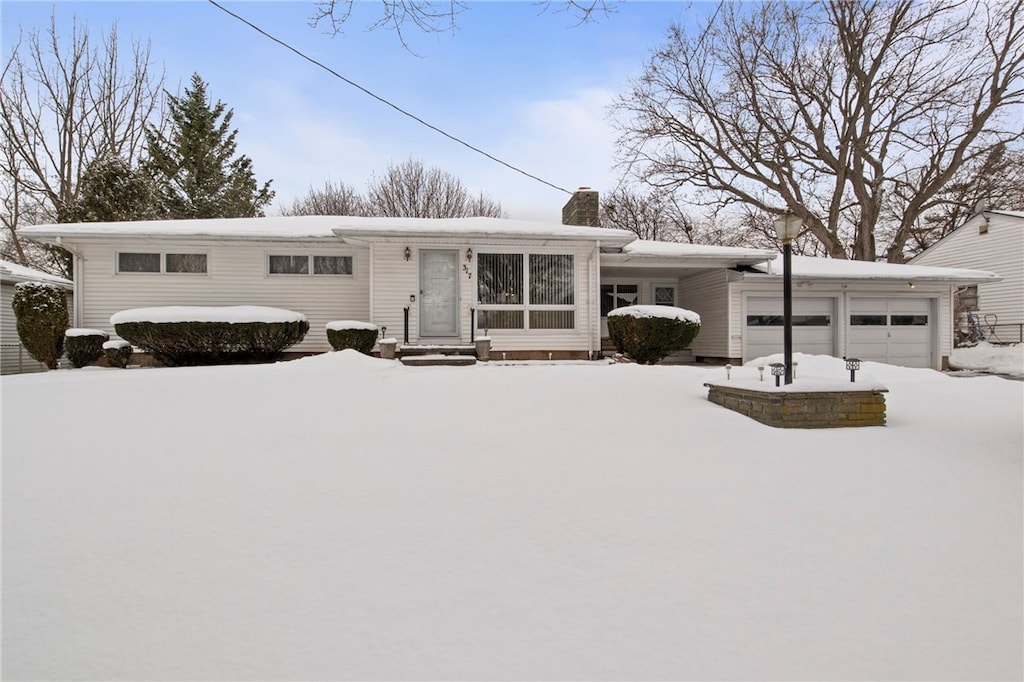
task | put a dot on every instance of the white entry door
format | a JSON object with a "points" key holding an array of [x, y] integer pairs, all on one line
{"points": [[439, 295]]}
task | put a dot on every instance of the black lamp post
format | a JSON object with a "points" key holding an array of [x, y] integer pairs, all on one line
{"points": [[787, 227]]}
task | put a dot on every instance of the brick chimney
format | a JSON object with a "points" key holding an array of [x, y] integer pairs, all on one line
{"points": [[582, 208]]}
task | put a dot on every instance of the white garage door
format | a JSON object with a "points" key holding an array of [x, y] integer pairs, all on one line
{"points": [[891, 330], [813, 326]]}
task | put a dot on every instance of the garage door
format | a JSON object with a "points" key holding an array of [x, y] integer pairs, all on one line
{"points": [[891, 330], [813, 328]]}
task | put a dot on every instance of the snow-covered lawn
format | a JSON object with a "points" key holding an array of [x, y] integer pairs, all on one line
{"points": [[985, 357], [341, 517]]}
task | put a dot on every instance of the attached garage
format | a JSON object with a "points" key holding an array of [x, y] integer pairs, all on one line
{"points": [[813, 326], [896, 331]]}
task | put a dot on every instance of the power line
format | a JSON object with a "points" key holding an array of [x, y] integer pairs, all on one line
{"points": [[381, 99]]}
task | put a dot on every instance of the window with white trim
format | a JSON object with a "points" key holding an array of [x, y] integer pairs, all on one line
{"points": [[309, 264], [664, 295], [618, 295], [157, 263], [526, 291]]}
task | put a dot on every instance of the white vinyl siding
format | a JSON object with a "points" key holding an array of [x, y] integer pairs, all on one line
{"points": [[237, 276], [707, 294], [999, 250], [396, 281]]}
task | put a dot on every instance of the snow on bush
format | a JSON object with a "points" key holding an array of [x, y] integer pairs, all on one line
{"points": [[649, 333], [118, 353], [84, 346], [195, 335], [360, 336], [41, 313]]}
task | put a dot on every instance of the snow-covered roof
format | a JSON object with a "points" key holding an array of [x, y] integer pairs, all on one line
{"points": [[643, 252], [838, 269], [12, 272], [349, 228]]}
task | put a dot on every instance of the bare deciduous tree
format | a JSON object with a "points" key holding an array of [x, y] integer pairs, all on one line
{"points": [[660, 215], [410, 190], [838, 110], [430, 16], [332, 199], [64, 102]]}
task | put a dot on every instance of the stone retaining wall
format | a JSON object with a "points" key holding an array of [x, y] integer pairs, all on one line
{"points": [[804, 410]]}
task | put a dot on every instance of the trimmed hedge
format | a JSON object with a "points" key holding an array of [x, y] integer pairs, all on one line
{"points": [[84, 346], [361, 339], [41, 311], [213, 343], [648, 339], [117, 353]]}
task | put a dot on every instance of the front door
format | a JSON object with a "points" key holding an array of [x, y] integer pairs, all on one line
{"points": [[439, 296]]}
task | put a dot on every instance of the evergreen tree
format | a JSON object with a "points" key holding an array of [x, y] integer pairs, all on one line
{"points": [[195, 166], [112, 190]]}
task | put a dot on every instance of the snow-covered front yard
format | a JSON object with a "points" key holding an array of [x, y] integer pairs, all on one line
{"points": [[341, 517]]}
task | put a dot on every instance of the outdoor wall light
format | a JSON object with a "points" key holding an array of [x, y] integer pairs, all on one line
{"points": [[910, 284], [408, 254], [469, 255], [778, 369], [852, 364]]}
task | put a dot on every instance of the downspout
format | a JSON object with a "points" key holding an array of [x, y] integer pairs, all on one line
{"points": [[595, 304], [372, 298], [77, 285]]}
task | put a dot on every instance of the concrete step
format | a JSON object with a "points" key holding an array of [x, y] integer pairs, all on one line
{"points": [[436, 349], [438, 359]]}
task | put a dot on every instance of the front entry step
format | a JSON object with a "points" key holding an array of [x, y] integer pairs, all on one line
{"points": [[432, 354], [407, 350], [424, 360]]}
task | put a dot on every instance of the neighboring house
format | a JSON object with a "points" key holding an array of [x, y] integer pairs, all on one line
{"points": [[13, 356], [989, 240], [537, 290]]}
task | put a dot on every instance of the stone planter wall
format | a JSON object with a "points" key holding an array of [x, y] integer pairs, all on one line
{"points": [[804, 410]]}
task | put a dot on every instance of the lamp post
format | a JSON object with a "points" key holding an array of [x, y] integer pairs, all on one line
{"points": [[787, 227]]}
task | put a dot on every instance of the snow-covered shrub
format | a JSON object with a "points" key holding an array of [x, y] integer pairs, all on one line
{"points": [[344, 334], [118, 353], [649, 333], [84, 346], [41, 312], [188, 335]]}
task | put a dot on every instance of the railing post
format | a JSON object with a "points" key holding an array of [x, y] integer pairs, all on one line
{"points": [[405, 336], [472, 325]]}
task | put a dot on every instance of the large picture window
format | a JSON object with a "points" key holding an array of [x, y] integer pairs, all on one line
{"points": [[181, 263], [526, 291]]}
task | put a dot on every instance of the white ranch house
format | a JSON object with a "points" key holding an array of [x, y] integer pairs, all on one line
{"points": [[538, 290]]}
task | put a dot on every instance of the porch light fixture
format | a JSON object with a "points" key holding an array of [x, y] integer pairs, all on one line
{"points": [[407, 253], [469, 255], [787, 227], [910, 284], [852, 364], [778, 369]]}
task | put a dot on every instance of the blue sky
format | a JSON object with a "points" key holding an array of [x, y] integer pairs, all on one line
{"points": [[525, 84]]}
